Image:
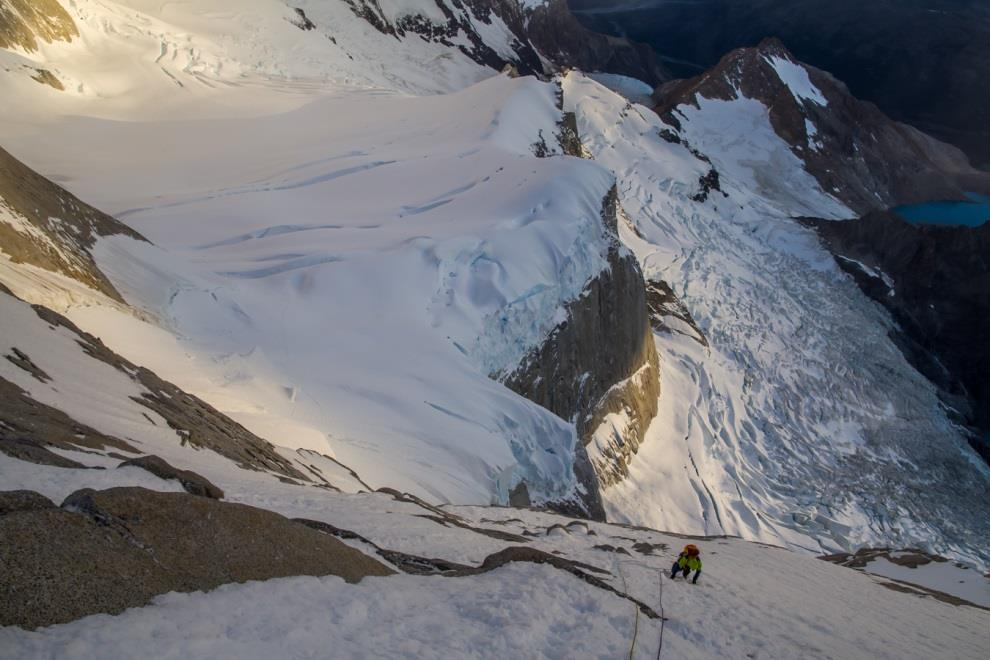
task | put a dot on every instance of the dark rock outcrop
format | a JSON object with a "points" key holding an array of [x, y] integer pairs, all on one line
{"points": [[32, 451], [12, 501], [106, 551], [194, 484], [28, 426], [411, 564], [302, 21], [24, 22], [668, 314], [46, 77], [855, 152], [581, 570], [24, 361], [60, 229], [556, 34], [546, 34], [935, 281], [863, 556], [600, 361], [910, 558]]}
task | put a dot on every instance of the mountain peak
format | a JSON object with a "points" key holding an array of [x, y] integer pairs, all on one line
{"points": [[857, 154]]}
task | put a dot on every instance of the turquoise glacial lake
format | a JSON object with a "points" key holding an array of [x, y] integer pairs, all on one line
{"points": [[970, 214]]}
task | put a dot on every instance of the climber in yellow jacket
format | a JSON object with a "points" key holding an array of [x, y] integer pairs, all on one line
{"points": [[689, 560]]}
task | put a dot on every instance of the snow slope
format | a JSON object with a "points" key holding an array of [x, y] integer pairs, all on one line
{"points": [[751, 600], [801, 424]]}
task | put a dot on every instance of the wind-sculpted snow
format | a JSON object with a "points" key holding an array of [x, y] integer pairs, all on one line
{"points": [[801, 423]]}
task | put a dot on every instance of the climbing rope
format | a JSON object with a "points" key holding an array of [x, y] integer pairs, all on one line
{"points": [[662, 617], [625, 589], [659, 571]]}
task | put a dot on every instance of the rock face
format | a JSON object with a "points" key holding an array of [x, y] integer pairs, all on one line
{"points": [[23, 500], [44, 225], [106, 551], [556, 34], [546, 36], [28, 427], [194, 484], [599, 364], [854, 151], [668, 314], [935, 280], [24, 22]]}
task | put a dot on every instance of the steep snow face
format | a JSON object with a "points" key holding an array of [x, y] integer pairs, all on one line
{"points": [[345, 277], [801, 423]]}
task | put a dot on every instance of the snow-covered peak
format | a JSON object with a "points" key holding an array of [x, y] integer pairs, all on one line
{"points": [[853, 151]]}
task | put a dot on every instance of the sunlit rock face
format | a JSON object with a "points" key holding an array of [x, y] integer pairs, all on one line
{"points": [[23, 23]]}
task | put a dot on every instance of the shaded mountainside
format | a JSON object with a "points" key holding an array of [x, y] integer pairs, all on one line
{"points": [[854, 151], [935, 280], [922, 63], [541, 37], [44, 225]]}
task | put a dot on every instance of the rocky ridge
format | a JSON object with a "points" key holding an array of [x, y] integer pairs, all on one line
{"points": [[545, 36], [106, 551]]}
